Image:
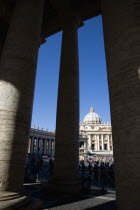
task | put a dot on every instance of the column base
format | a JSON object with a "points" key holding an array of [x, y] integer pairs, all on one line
{"points": [[11, 200], [63, 185]]}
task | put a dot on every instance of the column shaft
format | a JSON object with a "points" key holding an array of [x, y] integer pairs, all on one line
{"points": [[50, 147], [37, 146], [41, 146], [121, 21], [32, 145], [102, 141], [85, 147], [67, 123], [89, 142], [98, 143], [29, 145], [45, 146], [17, 78], [108, 144], [3, 33]]}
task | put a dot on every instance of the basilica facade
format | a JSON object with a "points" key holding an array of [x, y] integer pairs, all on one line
{"points": [[95, 138], [99, 134]]}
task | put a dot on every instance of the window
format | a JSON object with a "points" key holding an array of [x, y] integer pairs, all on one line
{"points": [[100, 147], [110, 147], [105, 146], [92, 147], [93, 136], [104, 137]]}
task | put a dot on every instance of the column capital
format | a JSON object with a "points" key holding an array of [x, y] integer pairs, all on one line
{"points": [[66, 14]]}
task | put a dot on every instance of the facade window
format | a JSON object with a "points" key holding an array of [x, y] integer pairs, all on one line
{"points": [[99, 136], [110, 147], [100, 147], [105, 146], [104, 137], [93, 147], [93, 136]]}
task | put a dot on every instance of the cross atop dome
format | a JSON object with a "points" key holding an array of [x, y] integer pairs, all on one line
{"points": [[91, 109]]}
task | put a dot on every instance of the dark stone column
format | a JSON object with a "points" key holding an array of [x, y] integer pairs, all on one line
{"points": [[67, 124], [3, 33], [17, 79], [121, 21]]}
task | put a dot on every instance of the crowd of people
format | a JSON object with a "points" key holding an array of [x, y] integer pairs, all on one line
{"points": [[102, 173], [37, 168]]}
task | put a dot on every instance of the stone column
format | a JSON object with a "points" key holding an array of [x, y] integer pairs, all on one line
{"points": [[29, 145], [85, 147], [44, 150], [37, 145], [111, 142], [96, 143], [17, 79], [121, 21], [108, 144], [41, 146], [32, 145], [1, 45], [3, 33], [102, 138], [45, 146], [66, 176], [54, 147], [50, 147], [89, 141], [98, 148]]}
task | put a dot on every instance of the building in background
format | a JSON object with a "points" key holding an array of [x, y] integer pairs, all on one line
{"points": [[41, 142], [99, 135], [95, 139]]}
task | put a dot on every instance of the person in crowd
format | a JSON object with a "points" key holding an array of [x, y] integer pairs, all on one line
{"points": [[102, 174], [51, 165], [90, 169], [38, 166], [96, 171], [83, 164]]}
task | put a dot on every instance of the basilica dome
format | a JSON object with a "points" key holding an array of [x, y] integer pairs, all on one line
{"points": [[92, 117]]}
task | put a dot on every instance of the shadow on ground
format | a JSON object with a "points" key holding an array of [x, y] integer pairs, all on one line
{"points": [[86, 200]]}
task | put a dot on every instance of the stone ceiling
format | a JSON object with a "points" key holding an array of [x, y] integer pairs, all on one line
{"points": [[51, 23]]}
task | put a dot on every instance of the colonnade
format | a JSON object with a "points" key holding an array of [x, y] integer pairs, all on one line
{"points": [[99, 142], [108, 141], [121, 22], [41, 146]]}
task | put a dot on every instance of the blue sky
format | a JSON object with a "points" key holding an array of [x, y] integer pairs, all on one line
{"points": [[93, 76]]}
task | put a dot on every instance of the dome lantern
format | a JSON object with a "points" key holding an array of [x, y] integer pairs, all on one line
{"points": [[92, 117]]}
